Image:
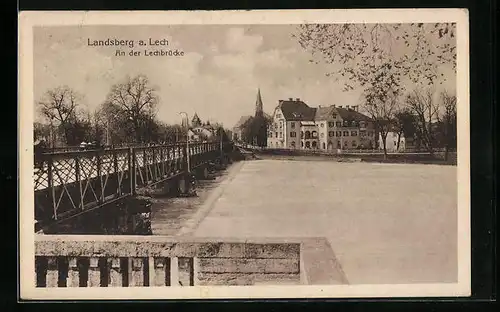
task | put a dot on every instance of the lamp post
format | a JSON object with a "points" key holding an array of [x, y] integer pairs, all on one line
{"points": [[187, 140]]}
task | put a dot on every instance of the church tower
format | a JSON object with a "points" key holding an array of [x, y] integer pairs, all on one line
{"points": [[196, 121], [258, 105]]}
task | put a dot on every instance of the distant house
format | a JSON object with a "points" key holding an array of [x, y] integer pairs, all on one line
{"points": [[238, 128], [297, 125]]}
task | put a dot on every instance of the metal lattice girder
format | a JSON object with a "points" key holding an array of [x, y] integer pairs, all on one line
{"points": [[69, 182]]}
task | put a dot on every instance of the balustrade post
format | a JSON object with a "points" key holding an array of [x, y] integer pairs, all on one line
{"points": [[115, 167], [79, 181], [115, 272], [155, 171], [145, 164], [99, 176], [50, 183], [73, 279], [52, 275], [174, 271], [132, 170], [185, 152], [162, 163], [137, 272], [94, 276], [195, 271]]}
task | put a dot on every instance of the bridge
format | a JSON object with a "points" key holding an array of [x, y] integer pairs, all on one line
{"points": [[70, 183]]}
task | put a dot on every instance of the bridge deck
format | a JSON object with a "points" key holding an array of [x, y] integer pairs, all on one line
{"points": [[378, 231]]}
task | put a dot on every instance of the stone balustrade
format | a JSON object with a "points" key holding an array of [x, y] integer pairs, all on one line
{"points": [[135, 261]]}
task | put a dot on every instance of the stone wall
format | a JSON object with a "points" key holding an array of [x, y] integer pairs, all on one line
{"points": [[163, 261]]}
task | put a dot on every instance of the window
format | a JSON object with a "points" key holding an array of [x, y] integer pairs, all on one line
{"points": [[345, 123], [324, 145], [292, 125], [331, 124], [338, 144], [314, 134], [276, 134], [354, 133], [338, 124], [270, 134], [281, 124], [314, 144], [346, 133], [354, 144], [346, 143], [334, 115], [301, 134], [362, 133], [292, 144], [362, 124], [281, 135], [308, 144], [339, 133], [308, 135], [322, 125], [301, 144], [331, 133], [322, 135], [293, 134]]}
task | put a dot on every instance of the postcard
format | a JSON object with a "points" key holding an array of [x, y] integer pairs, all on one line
{"points": [[244, 154]]}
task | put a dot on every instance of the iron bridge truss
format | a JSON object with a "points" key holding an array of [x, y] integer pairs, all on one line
{"points": [[74, 182]]}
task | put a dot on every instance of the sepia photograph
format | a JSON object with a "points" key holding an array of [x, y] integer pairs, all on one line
{"points": [[301, 153]]}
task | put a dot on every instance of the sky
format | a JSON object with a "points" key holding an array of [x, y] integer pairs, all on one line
{"points": [[217, 78]]}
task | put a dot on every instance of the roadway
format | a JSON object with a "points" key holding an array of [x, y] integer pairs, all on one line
{"points": [[386, 223]]}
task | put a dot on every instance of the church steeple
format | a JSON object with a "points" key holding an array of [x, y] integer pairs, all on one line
{"points": [[258, 104], [196, 121]]}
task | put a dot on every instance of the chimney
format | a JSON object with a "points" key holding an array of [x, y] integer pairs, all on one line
{"points": [[319, 106], [290, 99], [334, 106], [340, 106], [347, 106], [297, 99]]}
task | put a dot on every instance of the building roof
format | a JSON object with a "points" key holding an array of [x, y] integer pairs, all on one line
{"points": [[324, 113], [242, 121], [297, 110], [350, 114]]}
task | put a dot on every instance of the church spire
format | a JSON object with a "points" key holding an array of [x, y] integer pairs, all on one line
{"points": [[258, 104]]}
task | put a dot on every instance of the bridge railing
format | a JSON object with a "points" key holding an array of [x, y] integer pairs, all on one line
{"points": [[75, 181], [138, 261]]}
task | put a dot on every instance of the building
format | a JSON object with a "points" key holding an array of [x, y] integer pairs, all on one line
{"points": [[199, 131], [238, 128], [242, 122], [297, 125]]}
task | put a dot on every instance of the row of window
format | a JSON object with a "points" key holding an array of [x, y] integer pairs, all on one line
{"points": [[337, 124], [314, 144], [314, 134]]}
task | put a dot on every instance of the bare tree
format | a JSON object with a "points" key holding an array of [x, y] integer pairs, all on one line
{"points": [[381, 108], [404, 124], [366, 55], [426, 111], [449, 120], [60, 107], [136, 98]]}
